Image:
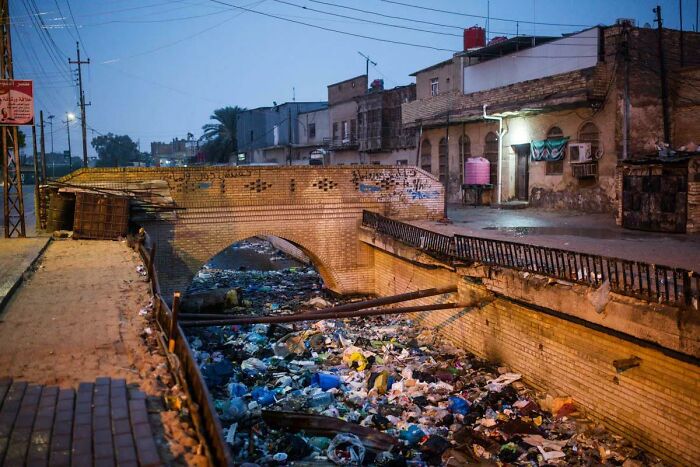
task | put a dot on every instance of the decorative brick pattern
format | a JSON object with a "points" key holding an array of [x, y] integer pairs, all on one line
{"points": [[317, 208]]}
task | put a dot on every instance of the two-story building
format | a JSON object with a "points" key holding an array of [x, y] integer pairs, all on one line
{"points": [[342, 113], [269, 135], [551, 115]]}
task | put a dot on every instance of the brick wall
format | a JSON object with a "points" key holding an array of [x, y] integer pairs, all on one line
{"points": [[656, 405], [318, 209]]}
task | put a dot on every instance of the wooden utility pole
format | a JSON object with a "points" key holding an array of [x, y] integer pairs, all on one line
{"points": [[13, 205], [83, 122], [662, 72]]}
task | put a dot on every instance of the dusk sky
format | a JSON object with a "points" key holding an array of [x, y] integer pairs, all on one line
{"points": [[159, 68]]}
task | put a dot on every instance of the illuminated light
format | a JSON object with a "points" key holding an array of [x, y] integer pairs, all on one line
{"points": [[70, 116], [519, 131]]}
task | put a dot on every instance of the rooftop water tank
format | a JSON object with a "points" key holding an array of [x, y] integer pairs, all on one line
{"points": [[474, 37], [477, 171]]}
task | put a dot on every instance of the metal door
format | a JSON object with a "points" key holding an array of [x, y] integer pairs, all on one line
{"points": [[522, 189]]}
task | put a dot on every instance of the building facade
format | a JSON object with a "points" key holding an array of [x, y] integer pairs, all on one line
{"points": [[382, 138], [268, 135], [174, 153], [343, 143], [560, 105]]}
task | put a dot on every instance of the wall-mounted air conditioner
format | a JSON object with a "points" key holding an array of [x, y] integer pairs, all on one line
{"points": [[580, 152]]}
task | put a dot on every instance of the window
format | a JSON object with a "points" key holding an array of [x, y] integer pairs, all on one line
{"points": [[465, 148], [335, 131], [251, 135], [346, 130], [442, 161], [589, 134], [554, 167], [312, 130], [491, 153], [353, 129], [402, 162], [434, 87], [426, 157]]}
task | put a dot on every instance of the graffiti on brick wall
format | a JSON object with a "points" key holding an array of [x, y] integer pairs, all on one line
{"points": [[421, 194], [394, 184]]}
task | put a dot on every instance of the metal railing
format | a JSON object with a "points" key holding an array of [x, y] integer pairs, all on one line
{"points": [[651, 282], [426, 240]]}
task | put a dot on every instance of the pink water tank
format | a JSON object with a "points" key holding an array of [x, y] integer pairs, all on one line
{"points": [[477, 171]]}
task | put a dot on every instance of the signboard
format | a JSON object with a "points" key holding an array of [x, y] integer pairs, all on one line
{"points": [[16, 102]]}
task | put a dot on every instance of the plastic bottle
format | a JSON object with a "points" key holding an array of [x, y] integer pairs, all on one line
{"points": [[321, 400]]}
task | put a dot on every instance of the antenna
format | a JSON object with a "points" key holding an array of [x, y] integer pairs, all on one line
{"points": [[367, 62], [294, 94]]}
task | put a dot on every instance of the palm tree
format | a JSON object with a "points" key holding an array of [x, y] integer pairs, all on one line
{"points": [[220, 136]]}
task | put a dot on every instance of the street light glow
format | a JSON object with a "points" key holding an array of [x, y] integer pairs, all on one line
{"points": [[70, 116]]}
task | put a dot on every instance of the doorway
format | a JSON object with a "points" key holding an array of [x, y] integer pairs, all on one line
{"points": [[522, 156]]}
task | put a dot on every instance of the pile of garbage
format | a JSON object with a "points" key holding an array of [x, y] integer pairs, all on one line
{"points": [[381, 392]]}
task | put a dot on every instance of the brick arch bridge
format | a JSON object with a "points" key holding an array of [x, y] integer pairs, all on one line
{"points": [[194, 213]]}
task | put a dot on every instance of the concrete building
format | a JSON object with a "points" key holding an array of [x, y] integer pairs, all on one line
{"points": [[342, 107], [366, 124], [313, 128], [174, 153], [268, 135], [382, 139], [565, 97]]}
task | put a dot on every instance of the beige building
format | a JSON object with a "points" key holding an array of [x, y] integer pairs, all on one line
{"points": [[342, 111], [563, 96]]}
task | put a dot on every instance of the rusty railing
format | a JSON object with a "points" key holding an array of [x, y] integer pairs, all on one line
{"points": [[651, 282], [181, 359], [426, 240]]}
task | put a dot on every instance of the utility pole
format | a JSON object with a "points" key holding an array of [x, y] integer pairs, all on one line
{"points": [[662, 71], [82, 100], [367, 62], [70, 154], [42, 146], [13, 205], [36, 175]]}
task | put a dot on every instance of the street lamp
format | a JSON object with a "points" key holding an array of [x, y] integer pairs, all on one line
{"points": [[70, 116]]}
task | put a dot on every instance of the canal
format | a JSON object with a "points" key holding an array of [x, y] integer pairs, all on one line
{"points": [[370, 391]]}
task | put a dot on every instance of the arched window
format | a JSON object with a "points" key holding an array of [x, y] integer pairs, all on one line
{"points": [[554, 167], [426, 156], [465, 151], [589, 133], [491, 153], [442, 160]]}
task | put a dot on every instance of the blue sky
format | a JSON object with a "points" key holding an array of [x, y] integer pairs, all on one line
{"points": [[158, 67]]}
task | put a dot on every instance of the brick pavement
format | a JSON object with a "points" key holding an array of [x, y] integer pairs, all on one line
{"points": [[103, 423]]}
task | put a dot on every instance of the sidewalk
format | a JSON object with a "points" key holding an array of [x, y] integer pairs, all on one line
{"points": [[16, 256], [83, 317], [586, 233]]}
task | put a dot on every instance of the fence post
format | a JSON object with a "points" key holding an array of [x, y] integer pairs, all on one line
{"points": [[151, 260], [173, 322]]}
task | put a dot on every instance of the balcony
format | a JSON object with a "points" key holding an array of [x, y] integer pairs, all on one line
{"points": [[341, 144]]}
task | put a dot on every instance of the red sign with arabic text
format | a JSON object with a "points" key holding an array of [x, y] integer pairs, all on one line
{"points": [[16, 102]]}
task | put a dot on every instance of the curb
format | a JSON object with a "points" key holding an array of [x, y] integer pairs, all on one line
{"points": [[4, 299]]}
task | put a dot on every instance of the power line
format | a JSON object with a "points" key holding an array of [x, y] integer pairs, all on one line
{"points": [[323, 28], [367, 20], [490, 18], [77, 31]]}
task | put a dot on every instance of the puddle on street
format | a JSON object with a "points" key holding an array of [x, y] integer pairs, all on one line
{"points": [[383, 391], [520, 232]]}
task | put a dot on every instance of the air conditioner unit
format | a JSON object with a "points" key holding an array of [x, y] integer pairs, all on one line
{"points": [[580, 152]]}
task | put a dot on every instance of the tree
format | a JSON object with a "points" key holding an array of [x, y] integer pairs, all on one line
{"points": [[115, 150], [220, 140]]}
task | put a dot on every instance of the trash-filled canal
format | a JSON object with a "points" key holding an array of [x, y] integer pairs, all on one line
{"points": [[370, 391]]}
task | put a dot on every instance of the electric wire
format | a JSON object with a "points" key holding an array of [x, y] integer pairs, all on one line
{"points": [[338, 31], [490, 18]]}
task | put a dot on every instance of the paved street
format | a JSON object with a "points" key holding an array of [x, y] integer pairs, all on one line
{"points": [[29, 211], [588, 233], [16, 255]]}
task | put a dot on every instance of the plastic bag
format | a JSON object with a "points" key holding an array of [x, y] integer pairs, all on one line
{"points": [[346, 449]]}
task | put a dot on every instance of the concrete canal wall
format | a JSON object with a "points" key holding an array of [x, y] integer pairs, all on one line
{"points": [[552, 334]]}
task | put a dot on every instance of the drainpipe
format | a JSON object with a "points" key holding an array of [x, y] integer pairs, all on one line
{"points": [[500, 153]]}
